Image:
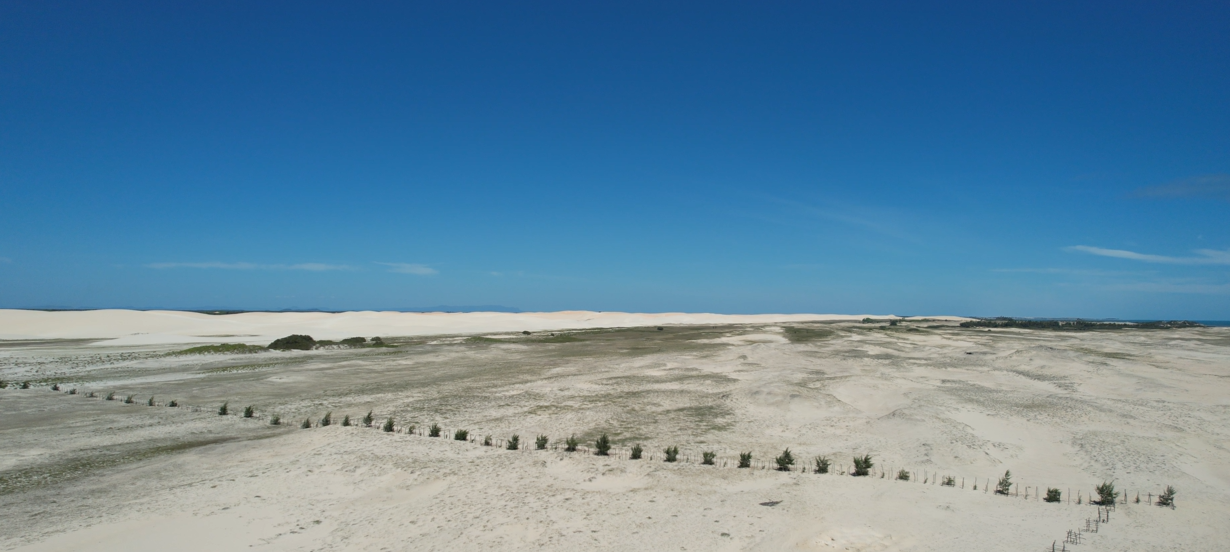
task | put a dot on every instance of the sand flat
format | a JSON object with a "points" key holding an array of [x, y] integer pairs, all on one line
{"points": [[1067, 410]]}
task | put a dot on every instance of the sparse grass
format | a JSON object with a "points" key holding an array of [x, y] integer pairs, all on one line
{"points": [[514, 442], [636, 452], [72, 391], [903, 475], [863, 465], [745, 459], [540, 442], [173, 404], [307, 424], [249, 411], [804, 335], [150, 402], [461, 435], [55, 387], [822, 464], [1106, 493], [111, 396], [784, 460], [388, 426], [92, 395], [602, 447], [1167, 497], [487, 441], [220, 349], [410, 429], [570, 444], [948, 481], [1005, 483], [672, 453], [222, 410], [346, 421], [434, 430], [1053, 495], [240, 368], [275, 420], [707, 458], [327, 420], [25, 385], [367, 420]]}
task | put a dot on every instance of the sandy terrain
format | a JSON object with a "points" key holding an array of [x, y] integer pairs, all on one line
{"points": [[1067, 410]]}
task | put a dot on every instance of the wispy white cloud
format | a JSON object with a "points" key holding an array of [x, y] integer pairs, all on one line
{"points": [[311, 267], [1173, 287], [1208, 185], [410, 268], [1205, 256]]}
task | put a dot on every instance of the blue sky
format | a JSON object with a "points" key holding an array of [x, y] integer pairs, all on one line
{"points": [[1038, 160]]}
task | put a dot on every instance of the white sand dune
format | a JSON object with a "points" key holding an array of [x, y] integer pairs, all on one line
{"points": [[130, 327]]}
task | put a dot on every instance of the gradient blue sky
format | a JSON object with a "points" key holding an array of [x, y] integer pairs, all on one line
{"points": [[1039, 160]]}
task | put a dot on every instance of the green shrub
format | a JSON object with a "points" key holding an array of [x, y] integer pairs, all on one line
{"points": [[1106, 493], [1167, 497], [784, 460], [863, 465], [461, 435], [570, 444], [514, 442], [745, 459], [150, 402], [55, 387], [111, 396], [224, 348], [354, 341], [487, 441], [602, 446], [672, 453], [92, 395], [1053, 495], [410, 429], [367, 420], [25, 385], [293, 342], [275, 420], [307, 424], [948, 481], [129, 399], [1005, 483], [540, 442], [636, 451], [173, 404], [707, 458], [72, 391], [822, 464], [388, 426], [903, 475], [249, 411], [346, 421], [222, 410], [434, 430], [327, 420], [4, 384]]}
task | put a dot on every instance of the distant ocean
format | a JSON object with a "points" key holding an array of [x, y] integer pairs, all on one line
{"points": [[1213, 322]]}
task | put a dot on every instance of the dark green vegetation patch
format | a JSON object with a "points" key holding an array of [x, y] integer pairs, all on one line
{"points": [[221, 349], [294, 342]]}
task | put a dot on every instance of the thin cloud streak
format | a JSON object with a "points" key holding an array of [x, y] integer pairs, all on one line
{"points": [[1207, 256], [1209, 185], [410, 268], [310, 267]]}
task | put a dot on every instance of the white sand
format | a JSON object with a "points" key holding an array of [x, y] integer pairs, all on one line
{"points": [[1068, 410], [128, 327]]}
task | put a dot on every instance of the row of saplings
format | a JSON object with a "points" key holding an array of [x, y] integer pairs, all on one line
{"points": [[1107, 495]]}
